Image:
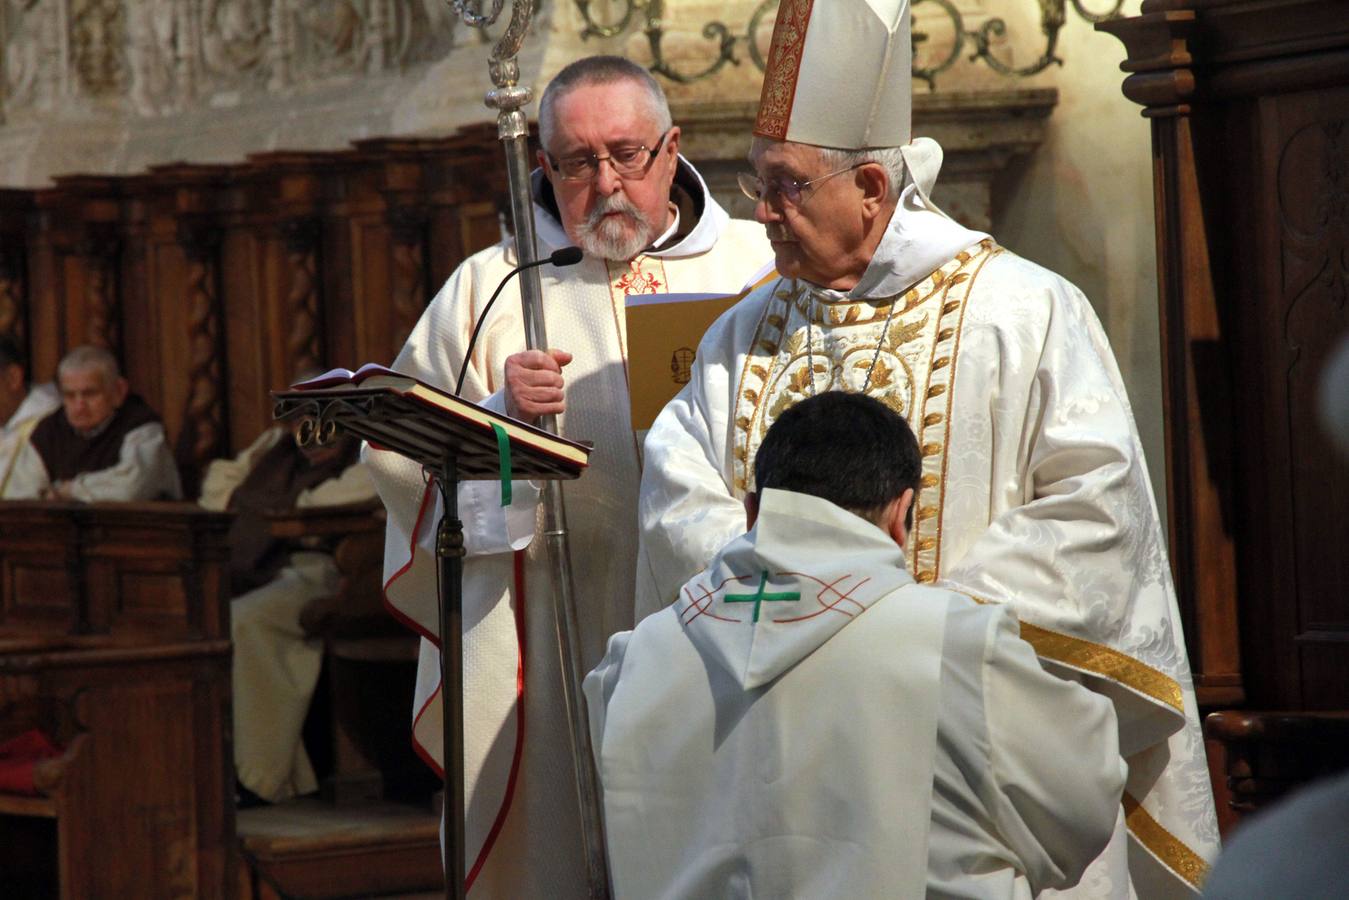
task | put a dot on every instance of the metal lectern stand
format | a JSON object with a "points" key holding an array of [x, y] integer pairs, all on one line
{"points": [[450, 451]]}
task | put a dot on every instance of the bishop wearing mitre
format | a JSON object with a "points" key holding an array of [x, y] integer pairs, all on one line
{"points": [[1034, 489]]}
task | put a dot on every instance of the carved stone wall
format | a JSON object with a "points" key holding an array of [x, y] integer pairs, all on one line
{"points": [[158, 57], [116, 85]]}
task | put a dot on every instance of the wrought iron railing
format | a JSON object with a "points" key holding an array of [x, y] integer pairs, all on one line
{"points": [[980, 43]]}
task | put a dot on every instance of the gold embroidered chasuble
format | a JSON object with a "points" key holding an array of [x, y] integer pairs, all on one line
{"points": [[900, 349], [1034, 493]]}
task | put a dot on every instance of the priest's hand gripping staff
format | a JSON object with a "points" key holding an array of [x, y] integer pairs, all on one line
{"points": [[509, 98], [567, 256]]}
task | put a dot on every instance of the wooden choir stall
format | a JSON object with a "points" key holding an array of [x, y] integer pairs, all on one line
{"points": [[114, 641], [214, 285]]}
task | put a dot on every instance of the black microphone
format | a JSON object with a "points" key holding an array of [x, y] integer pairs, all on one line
{"points": [[567, 256]]}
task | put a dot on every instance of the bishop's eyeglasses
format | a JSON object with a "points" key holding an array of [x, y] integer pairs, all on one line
{"points": [[788, 190], [628, 161]]}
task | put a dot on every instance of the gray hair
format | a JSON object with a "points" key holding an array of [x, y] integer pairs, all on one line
{"points": [[889, 159], [600, 70], [834, 158], [87, 357]]}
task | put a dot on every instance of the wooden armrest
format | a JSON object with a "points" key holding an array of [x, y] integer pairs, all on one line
{"points": [[23, 805], [48, 777], [323, 521], [1235, 725], [50, 774]]}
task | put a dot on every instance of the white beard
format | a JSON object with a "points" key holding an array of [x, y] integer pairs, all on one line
{"points": [[618, 239]]}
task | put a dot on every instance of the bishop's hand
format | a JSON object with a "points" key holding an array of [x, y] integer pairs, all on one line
{"points": [[534, 384]]}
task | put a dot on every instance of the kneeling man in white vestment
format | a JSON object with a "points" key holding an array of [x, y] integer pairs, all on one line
{"points": [[808, 721]]}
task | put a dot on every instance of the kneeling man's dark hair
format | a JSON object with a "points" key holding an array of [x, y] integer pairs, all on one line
{"points": [[846, 448]]}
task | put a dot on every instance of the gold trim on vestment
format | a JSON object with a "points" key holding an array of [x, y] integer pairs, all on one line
{"points": [[1169, 850], [941, 395], [953, 284], [901, 347], [1098, 659], [771, 323], [1086, 656], [1107, 662]]}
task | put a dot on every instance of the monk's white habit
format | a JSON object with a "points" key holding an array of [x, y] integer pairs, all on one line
{"points": [[806, 721], [522, 820], [276, 665], [145, 470], [40, 401], [1035, 491]]}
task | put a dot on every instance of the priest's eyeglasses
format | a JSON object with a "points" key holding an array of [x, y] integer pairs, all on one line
{"points": [[788, 190], [627, 161]]}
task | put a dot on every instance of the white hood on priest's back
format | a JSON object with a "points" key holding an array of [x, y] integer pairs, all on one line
{"points": [[805, 570]]}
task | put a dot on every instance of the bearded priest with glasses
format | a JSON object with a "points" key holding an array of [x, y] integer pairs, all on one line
{"points": [[1034, 488], [611, 181]]}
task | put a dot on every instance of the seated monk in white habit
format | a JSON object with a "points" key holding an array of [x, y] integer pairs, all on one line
{"points": [[276, 668], [808, 721], [104, 443], [22, 406]]}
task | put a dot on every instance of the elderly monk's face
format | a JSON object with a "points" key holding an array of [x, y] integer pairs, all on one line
{"points": [[820, 237], [88, 398], [609, 215]]}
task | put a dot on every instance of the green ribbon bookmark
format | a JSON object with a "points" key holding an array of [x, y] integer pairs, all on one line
{"points": [[504, 460]]}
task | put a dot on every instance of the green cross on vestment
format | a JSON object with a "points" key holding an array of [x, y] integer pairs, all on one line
{"points": [[758, 597]]}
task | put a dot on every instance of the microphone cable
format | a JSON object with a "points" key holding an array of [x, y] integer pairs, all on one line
{"points": [[567, 256]]}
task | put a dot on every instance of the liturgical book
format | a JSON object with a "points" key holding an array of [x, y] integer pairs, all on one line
{"points": [[663, 335], [397, 412]]}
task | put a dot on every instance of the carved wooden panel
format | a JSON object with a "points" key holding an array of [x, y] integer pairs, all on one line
{"points": [[15, 215], [98, 253], [13, 294], [40, 584], [372, 267], [408, 230], [147, 569], [245, 272], [304, 340], [216, 284], [168, 831], [206, 405], [1308, 318]]}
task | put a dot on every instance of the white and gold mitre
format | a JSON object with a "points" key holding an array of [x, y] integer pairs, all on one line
{"points": [[838, 74]]}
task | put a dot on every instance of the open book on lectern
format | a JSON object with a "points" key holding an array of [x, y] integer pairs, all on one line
{"points": [[397, 412]]}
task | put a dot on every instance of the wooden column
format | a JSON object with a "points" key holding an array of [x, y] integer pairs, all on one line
{"points": [[205, 418], [1197, 397], [15, 210]]}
